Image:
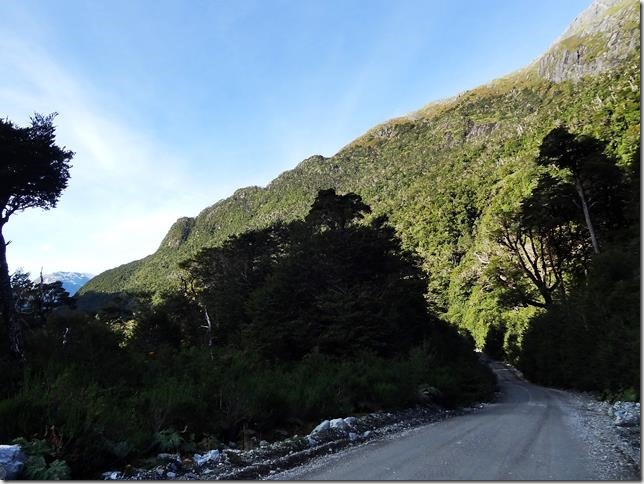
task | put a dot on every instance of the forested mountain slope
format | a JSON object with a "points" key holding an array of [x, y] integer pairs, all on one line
{"points": [[441, 172]]}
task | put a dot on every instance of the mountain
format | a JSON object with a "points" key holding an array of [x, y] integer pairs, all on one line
{"points": [[72, 281], [437, 171]]}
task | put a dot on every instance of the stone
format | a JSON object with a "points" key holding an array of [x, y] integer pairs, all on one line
{"points": [[351, 422], [210, 456], [12, 460], [171, 475], [111, 475], [353, 436], [625, 414], [323, 426], [311, 441], [367, 434], [263, 444], [626, 419], [339, 424]]}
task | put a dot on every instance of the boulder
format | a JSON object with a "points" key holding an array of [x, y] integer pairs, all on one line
{"points": [[323, 426], [625, 414], [210, 456], [339, 424], [111, 475], [351, 422], [12, 460], [353, 436]]}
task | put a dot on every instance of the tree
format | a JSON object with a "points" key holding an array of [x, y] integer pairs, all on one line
{"points": [[34, 301], [33, 173], [583, 166]]}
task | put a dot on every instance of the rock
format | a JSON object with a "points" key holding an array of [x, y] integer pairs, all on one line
{"points": [[12, 460], [323, 426], [353, 436], [625, 419], [351, 422], [625, 414], [339, 424], [210, 456], [111, 475], [311, 441], [171, 475], [367, 434], [263, 444]]}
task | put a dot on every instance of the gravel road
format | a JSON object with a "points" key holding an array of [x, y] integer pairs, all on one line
{"points": [[530, 433]]}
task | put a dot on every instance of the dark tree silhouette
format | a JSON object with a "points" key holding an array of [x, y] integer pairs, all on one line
{"points": [[595, 179], [33, 173]]}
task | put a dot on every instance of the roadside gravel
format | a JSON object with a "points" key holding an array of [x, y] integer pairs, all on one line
{"points": [[615, 449]]}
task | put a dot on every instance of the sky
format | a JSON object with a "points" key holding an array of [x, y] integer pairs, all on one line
{"points": [[172, 105]]}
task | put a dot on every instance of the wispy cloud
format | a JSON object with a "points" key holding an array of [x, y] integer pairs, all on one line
{"points": [[126, 188]]}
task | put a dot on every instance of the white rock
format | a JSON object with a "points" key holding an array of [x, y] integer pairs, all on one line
{"points": [[324, 425], [339, 424], [351, 421], [367, 434], [353, 436], [111, 475], [312, 441], [210, 456], [263, 444], [171, 475]]}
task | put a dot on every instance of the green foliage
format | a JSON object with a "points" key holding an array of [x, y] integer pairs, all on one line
{"points": [[140, 376], [255, 315], [33, 173], [593, 341], [433, 174], [40, 463]]}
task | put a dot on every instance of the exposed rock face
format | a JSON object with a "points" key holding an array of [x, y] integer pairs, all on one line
{"points": [[596, 41], [178, 233], [473, 131]]}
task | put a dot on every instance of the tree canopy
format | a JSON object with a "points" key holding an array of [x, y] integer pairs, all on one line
{"points": [[33, 173]]}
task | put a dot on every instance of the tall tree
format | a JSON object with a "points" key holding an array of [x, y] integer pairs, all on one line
{"points": [[33, 173], [583, 165]]}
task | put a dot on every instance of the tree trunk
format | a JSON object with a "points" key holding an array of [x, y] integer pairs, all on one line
{"points": [[209, 328], [584, 206], [6, 305]]}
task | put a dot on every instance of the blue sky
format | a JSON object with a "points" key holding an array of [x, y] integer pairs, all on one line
{"points": [[173, 105]]}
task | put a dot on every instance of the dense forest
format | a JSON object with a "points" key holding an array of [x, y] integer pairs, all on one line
{"points": [[275, 329], [505, 219]]}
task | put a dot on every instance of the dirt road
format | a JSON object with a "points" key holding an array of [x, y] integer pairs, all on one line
{"points": [[530, 433]]}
